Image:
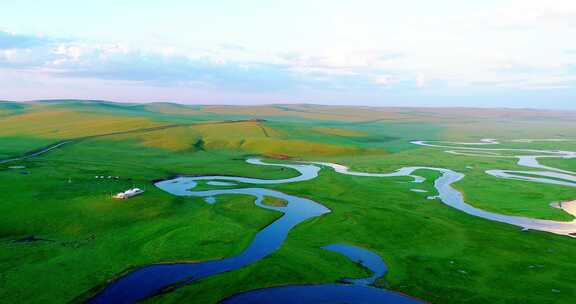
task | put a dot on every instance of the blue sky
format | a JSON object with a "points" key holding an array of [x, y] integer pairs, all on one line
{"points": [[506, 53]]}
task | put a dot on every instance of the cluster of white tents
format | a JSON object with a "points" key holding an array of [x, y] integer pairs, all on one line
{"points": [[129, 193]]}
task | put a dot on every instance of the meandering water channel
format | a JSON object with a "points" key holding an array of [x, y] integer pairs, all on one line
{"points": [[358, 290], [150, 280]]}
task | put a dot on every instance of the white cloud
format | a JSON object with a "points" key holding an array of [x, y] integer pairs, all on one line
{"points": [[481, 49], [421, 80], [73, 52], [383, 80]]}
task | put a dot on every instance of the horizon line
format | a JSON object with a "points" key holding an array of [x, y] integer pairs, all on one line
{"points": [[288, 104]]}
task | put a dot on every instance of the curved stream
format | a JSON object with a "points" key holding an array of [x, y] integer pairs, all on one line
{"points": [[545, 175], [453, 198], [358, 290], [150, 280]]}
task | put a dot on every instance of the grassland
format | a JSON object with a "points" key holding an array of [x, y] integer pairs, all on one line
{"points": [[62, 237]]}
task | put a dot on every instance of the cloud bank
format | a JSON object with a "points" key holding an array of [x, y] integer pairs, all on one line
{"points": [[510, 53]]}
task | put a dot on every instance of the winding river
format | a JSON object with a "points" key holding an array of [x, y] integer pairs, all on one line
{"points": [[526, 158], [151, 280], [357, 290]]}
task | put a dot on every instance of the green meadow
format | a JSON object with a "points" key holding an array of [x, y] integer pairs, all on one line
{"points": [[63, 237]]}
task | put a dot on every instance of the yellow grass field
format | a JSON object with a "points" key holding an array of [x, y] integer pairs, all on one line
{"points": [[340, 132], [251, 137], [62, 124]]}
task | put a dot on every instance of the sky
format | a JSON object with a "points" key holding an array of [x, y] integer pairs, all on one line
{"points": [[490, 53]]}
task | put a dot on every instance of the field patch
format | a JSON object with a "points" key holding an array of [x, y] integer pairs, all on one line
{"points": [[251, 137], [61, 124], [339, 132]]}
